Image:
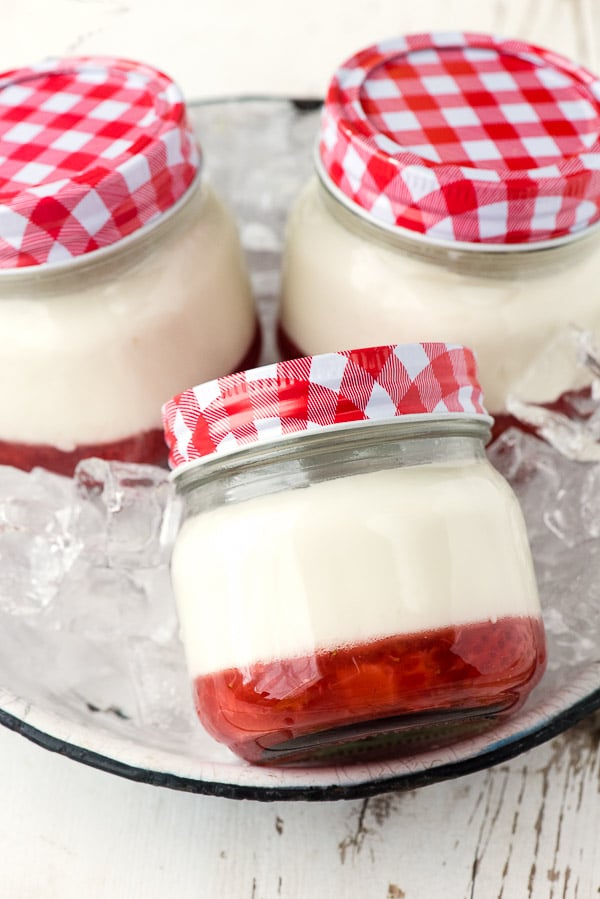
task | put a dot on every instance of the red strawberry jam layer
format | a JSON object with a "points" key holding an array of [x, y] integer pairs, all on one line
{"points": [[445, 680], [148, 447]]}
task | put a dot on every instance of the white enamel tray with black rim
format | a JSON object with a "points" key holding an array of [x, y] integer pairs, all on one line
{"points": [[258, 153]]}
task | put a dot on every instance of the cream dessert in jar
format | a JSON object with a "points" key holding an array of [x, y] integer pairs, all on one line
{"points": [[456, 197], [352, 576], [122, 278]]}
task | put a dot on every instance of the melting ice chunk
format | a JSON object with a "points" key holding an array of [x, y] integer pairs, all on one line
{"points": [[560, 499], [567, 417], [126, 515]]}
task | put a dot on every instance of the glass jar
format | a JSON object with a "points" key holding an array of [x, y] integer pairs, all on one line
{"points": [[122, 278], [456, 197], [352, 576]]}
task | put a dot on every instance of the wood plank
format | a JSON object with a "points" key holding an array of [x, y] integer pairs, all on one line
{"points": [[524, 829], [235, 48]]}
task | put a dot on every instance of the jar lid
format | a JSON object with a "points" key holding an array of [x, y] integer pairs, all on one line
{"points": [[465, 137], [333, 390], [91, 149]]}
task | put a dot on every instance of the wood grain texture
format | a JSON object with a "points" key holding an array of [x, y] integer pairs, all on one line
{"points": [[235, 48], [524, 829]]}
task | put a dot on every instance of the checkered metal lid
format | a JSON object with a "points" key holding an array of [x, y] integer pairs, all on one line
{"points": [[465, 137], [268, 404], [91, 149]]}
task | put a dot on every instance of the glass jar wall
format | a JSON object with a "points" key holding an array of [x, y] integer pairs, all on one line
{"points": [[456, 198], [121, 274], [347, 280], [93, 348], [352, 575], [375, 596]]}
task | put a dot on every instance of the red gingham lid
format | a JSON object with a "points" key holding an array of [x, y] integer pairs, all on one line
{"points": [[268, 404], [91, 149], [465, 137]]}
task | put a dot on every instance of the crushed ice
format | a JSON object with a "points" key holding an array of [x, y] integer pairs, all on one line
{"points": [[85, 599]]}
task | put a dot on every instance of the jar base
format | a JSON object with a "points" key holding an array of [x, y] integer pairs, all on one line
{"points": [[390, 696], [147, 447], [381, 739]]}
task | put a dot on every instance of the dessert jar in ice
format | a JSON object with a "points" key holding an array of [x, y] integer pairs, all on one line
{"points": [[352, 575], [456, 197], [122, 279]]}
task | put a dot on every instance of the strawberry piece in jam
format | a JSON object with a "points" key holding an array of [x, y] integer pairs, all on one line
{"points": [[282, 710]]}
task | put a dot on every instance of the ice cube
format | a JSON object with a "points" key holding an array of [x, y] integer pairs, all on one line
{"points": [[84, 576], [127, 514], [162, 686], [37, 543], [558, 395], [561, 504]]}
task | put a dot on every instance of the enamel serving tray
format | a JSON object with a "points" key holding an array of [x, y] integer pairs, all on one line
{"points": [[258, 153]]}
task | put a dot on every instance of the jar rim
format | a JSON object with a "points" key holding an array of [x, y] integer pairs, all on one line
{"points": [[101, 253], [422, 239], [413, 425]]}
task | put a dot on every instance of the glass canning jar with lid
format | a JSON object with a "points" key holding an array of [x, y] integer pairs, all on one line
{"points": [[352, 575], [122, 279], [456, 197]]}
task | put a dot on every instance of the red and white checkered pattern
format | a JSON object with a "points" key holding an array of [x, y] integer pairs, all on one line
{"points": [[466, 137], [91, 149], [265, 405]]}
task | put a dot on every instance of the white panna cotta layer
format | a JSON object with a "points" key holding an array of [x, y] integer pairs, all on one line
{"points": [[351, 560], [91, 352], [343, 289]]}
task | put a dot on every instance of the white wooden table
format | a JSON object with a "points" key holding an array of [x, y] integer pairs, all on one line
{"points": [[528, 828]]}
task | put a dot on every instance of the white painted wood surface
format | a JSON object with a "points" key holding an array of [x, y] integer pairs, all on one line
{"points": [[529, 828], [236, 47]]}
